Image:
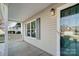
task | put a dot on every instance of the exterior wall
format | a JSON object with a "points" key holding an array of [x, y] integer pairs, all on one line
{"points": [[48, 41]]}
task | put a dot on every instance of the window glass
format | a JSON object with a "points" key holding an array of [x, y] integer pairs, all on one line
{"points": [[28, 32], [70, 11], [28, 29], [69, 34], [73, 10], [77, 8], [33, 33], [33, 25], [38, 28], [28, 26], [33, 29]]}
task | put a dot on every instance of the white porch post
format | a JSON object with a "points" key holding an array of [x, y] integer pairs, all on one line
{"points": [[22, 30], [4, 10]]}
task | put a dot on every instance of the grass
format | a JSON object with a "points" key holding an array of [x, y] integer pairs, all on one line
{"points": [[2, 38]]}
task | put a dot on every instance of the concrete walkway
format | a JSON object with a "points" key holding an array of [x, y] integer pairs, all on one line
{"points": [[21, 48]]}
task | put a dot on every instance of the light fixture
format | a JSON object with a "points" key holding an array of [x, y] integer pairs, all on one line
{"points": [[52, 11]]}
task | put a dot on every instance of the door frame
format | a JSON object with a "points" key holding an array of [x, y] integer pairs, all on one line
{"points": [[58, 23]]}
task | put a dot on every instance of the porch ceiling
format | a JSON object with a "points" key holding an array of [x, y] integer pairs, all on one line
{"points": [[19, 11]]}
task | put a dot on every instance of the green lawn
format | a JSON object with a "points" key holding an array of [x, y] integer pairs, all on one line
{"points": [[2, 38]]}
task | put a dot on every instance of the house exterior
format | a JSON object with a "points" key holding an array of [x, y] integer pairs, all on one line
{"points": [[14, 28], [55, 34], [49, 29]]}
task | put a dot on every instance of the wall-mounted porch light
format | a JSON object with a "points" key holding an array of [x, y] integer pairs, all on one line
{"points": [[52, 11]]}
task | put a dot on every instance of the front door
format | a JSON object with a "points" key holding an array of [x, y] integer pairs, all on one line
{"points": [[69, 35]]}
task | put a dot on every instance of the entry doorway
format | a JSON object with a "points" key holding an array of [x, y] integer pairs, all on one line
{"points": [[69, 31]]}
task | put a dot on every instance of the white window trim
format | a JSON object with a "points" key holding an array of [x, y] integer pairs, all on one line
{"points": [[30, 29], [58, 24]]}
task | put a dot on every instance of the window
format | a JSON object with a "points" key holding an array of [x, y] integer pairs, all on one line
{"points": [[33, 28], [33, 31], [18, 25], [38, 28], [69, 34], [28, 29]]}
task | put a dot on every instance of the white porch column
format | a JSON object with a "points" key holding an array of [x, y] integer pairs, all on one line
{"points": [[4, 10], [22, 30]]}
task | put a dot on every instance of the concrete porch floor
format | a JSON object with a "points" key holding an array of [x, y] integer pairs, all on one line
{"points": [[21, 48]]}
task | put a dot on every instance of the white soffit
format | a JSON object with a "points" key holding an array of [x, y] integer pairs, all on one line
{"points": [[17, 11]]}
